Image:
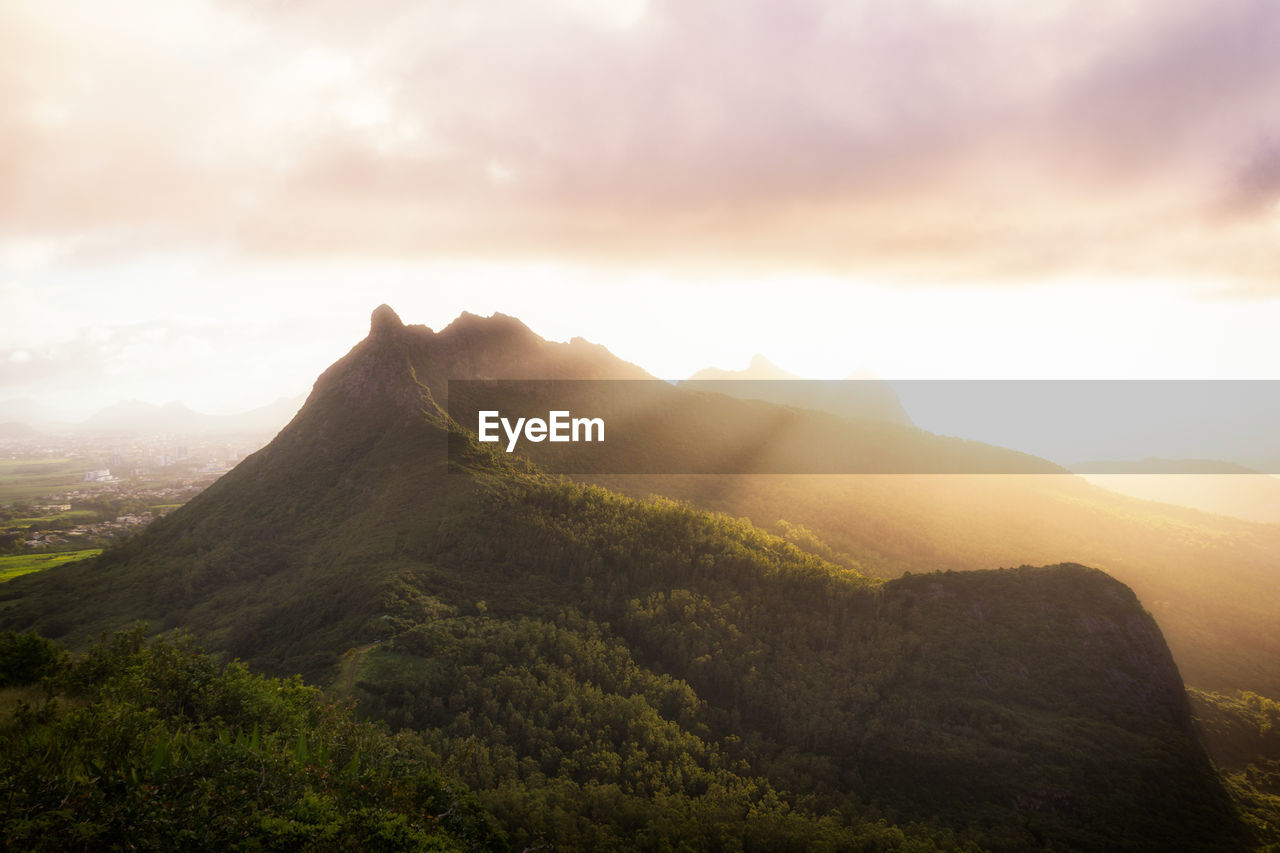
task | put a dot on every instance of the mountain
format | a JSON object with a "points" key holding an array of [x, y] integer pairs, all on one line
{"points": [[137, 416], [1225, 488], [16, 431], [1212, 582], [856, 398], [1155, 465], [269, 419], [612, 673], [759, 368], [32, 412], [134, 416], [1252, 497]]}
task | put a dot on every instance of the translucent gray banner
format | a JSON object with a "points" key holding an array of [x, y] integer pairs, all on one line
{"points": [[874, 426]]}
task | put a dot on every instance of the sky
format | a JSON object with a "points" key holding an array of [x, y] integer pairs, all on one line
{"points": [[203, 201]]}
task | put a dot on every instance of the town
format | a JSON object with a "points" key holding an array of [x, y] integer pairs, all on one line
{"points": [[75, 492]]}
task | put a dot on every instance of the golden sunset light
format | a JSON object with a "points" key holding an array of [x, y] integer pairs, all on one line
{"points": [[917, 189], [601, 426]]}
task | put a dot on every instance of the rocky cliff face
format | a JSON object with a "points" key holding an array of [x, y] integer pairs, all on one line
{"points": [[1027, 630]]}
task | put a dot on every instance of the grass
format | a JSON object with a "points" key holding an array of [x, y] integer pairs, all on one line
{"points": [[11, 697], [29, 479], [76, 516], [23, 564]]}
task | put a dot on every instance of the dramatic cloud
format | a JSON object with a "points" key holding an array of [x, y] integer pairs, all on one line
{"points": [[944, 139]]}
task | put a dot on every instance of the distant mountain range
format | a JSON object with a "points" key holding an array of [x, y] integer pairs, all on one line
{"points": [[856, 398], [32, 413], [1155, 465], [17, 431], [758, 368], [23, 418]]}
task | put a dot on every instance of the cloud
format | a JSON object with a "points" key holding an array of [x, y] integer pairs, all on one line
{"points": [[204, 363], [935, 138]]}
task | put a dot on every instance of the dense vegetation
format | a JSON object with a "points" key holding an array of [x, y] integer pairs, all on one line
{"points": [[962, 700], [1211, 582], [1242, 734], [568, 740], [156, 746], [610, 673]]}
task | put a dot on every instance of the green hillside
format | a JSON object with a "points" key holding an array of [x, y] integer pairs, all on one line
{"points": [[1213, 583], [156, 746], [610, 673]]}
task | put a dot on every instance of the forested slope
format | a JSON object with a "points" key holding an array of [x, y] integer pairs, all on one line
{"points": [[605, 672]]}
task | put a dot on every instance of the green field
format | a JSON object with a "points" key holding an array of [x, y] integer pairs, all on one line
{"points": [[76, 516], [29, 479], [22, 564]]}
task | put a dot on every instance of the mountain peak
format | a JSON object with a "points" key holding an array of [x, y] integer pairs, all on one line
{"points": [[384, 319], [758, 368], [496, 323]]}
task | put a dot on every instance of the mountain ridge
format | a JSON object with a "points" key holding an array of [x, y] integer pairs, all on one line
{"points": [[855, 397], [140, 417], [1016, 709]]}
